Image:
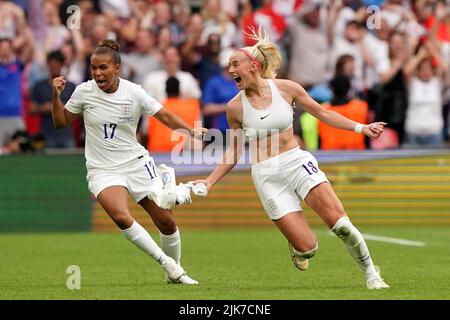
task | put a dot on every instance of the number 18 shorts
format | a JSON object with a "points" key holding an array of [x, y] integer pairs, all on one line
{"points": [[283, 179]]}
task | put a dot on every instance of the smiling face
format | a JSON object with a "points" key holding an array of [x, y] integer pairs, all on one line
{"points": [[242, 69], [105, 72]]}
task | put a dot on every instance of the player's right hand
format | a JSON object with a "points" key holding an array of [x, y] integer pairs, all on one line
{"points": [[58, 84], [205, 182]]}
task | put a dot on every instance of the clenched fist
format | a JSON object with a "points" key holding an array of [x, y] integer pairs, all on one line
{"points": [[58, 84]]}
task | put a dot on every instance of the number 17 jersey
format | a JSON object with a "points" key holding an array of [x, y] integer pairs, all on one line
{"points": [[110, 121]]}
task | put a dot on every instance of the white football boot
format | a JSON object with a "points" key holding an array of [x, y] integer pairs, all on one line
{"points": [[184, 279], [173, 270], [300, 263], [376, 283]]}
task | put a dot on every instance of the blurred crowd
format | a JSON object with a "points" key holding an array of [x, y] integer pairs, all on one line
{"points": [[371, 60]]}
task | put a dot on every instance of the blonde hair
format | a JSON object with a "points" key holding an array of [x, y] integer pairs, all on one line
{"points": [[265, 51]]}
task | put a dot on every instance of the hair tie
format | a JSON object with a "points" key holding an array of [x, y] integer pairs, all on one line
{"points": [[251, 57]]}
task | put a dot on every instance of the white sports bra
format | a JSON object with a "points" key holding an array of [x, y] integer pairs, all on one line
{"points": [[259, 123]]}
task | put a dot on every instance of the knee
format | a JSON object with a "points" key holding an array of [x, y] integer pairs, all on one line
{"points": [[123, 221], [167, 225]]}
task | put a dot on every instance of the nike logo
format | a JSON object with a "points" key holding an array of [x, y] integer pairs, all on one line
{"points": [[264, 116]]}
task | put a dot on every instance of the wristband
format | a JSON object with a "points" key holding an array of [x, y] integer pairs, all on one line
{"points": [[358, 128]]}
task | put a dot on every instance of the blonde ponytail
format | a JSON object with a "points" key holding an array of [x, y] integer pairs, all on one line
{"points": [[265, 51]]}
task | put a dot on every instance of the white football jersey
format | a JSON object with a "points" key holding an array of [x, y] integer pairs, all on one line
{"points": [[111, 120]]}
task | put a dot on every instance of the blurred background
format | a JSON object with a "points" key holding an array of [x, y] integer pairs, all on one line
{"points": [[371, 60]]}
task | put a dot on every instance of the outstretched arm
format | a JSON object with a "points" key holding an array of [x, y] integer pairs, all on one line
{"points": [[331, 118], [233, 153], [174, 122]]}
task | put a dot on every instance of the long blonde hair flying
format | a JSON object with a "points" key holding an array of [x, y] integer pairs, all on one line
{"points": [[265, 51]]}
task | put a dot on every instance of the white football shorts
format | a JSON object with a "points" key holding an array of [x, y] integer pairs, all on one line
{"points": [[136, 175], [282, 180]]}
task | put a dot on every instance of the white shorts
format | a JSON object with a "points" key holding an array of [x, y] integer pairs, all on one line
{"points": [[281, 180], [136, 175]]}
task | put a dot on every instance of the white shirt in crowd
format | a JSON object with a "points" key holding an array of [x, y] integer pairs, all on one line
{"points": [[111, 120], [380, 58], [342, 46], [424, 113], [310, 48]]}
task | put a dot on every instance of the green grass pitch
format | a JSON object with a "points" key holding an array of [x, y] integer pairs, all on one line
{"points": [[229, 264]]}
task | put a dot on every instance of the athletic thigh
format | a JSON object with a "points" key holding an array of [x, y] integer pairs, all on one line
{"points": [[297, 231], [114, 199], [162, 218], [324, 201], [277, 195]]}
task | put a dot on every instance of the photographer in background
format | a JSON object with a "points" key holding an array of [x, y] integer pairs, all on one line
{"points": [[22, 142]]}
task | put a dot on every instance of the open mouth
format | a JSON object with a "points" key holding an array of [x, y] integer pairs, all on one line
{"points": [[100, 82], [237, 79]]}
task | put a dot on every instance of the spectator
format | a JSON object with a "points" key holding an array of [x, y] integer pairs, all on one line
{"points": [[345, 66], [191, 48], [425, 99], [162, 138], [181, 12], [377, 42], [347, 10], [392, 101], [12, 20], [218, 91], [11, 68], [56, 32], [205, 59], [142, 10], [145, 59], [216, 21], [41, 103], [163, 18], [122, 22], [439, 20], [337, 139], [22, 142], [154, 82], [308, 43], [76, 60], [353, 44]]}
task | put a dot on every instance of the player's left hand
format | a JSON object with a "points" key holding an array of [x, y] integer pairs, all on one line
{"points": [[374, 130]]}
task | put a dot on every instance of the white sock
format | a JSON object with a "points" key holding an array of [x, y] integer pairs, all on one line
{"points": [[171, 245], [356, 246], [142, 239]]}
